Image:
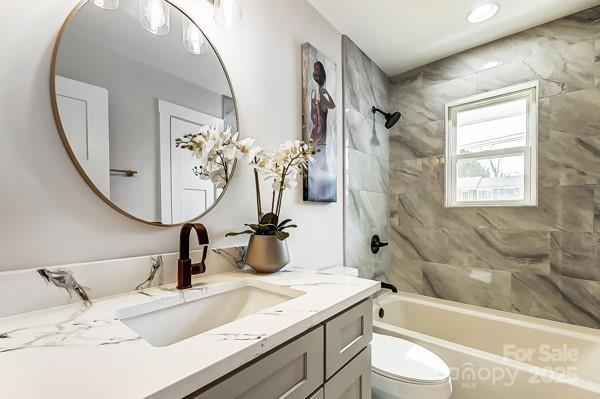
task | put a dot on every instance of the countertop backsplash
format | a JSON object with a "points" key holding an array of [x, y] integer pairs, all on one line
{"points": [[47, 286]]}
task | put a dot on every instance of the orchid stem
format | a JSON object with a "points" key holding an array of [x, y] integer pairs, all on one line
{"points": [[258, 203], [273, 202]]}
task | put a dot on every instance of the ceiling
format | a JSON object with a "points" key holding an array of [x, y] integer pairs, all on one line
{"points": [[400, 35]]}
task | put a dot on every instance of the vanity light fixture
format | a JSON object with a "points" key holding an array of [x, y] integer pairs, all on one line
{"points": [[106, 4], [193, 40], [228, 14], [483, 12], [154, 16]]}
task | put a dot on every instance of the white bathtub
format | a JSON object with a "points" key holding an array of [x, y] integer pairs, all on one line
{"points": [[495, 354]]}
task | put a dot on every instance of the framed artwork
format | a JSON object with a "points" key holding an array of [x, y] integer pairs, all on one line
{"points": [[319, 123]]}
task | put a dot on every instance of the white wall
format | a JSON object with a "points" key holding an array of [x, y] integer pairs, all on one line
{"points": [[49, 216]]}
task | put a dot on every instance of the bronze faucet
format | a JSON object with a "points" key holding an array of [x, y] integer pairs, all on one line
{"points": [[185, 268]]}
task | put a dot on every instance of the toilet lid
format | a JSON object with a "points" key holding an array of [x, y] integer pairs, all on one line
{"points": [[403, 360]]}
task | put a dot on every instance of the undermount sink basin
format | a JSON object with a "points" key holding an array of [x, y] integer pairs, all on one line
{"points": [[169, 320]]}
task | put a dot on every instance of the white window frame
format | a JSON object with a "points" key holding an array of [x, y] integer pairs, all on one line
{"points": [[528, 90]]}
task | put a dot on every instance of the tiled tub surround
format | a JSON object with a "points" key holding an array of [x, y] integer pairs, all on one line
{"points": [[366, 164], [540, 261], [47, 286], [77, 351]]}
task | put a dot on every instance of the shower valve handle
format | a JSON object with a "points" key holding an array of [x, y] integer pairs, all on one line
{"points": [[376, 244]]}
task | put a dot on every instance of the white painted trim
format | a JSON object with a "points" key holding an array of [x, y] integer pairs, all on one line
{"points": [[166, 111], [530, 151]]}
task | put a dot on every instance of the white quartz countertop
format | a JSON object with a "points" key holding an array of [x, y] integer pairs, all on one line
{"points": [[78, 351]]}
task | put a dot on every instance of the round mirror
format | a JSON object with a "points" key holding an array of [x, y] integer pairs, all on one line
{"points": [[129, 78]]}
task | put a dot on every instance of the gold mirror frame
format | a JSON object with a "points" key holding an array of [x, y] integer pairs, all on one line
{"points": [[65, 140]]}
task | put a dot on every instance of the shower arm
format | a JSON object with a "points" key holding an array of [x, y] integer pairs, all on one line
{"points": [[375, 110]]}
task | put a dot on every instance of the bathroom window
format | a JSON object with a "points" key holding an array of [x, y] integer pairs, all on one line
{"points": [[491, 148]]}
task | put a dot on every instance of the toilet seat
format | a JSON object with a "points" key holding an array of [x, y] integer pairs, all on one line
{"points": [[407, 362]]}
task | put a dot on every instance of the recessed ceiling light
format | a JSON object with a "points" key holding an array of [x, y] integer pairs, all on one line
{"points": [[483, 12]]}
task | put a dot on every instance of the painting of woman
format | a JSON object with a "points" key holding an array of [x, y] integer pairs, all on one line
{"points": [[321, 103], [319, 122]]}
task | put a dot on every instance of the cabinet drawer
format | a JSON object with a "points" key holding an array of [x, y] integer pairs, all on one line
{"points": [[346, 335], [318, 395], [353, 381], [292, 372]]}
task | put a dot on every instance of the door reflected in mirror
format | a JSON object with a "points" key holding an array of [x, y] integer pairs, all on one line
{"points": [[128, 81]]}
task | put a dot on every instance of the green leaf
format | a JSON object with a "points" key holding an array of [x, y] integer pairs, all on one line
{"points": [[231, 234], [264, 228], [282, 235], [286, 221], [290, 226], [269, 218]]}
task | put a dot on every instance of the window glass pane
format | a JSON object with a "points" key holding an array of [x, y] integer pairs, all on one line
{"points": [[492, 127], [491, 179]]}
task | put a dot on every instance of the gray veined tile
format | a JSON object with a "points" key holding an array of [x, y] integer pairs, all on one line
{"points": [[412, 79], [428, 104], [577, 113], [417, 175], [394, 207], [537, 296], [589, 16], [409, 243], [407, 276], [576, 255], [565, 70], [597, 62], [419, 210], [582, 304], [515, 251], [372, 208], [558, 33], [456, 66], [366, 214], [418, 141], [382, 87], [366, 172], [365, 136], [559, 71], [544, 121], [557, 298], [357, 250], [518, 218], [569, 160], [488, 288], [572, 207], [548, 37], [404, 175], [597, 210], [561, 208], [363, 88]]}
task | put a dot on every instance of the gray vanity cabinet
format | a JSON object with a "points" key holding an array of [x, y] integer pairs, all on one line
{"points": [[353, 381], [292, 372], [346, 335], [332, 361]]}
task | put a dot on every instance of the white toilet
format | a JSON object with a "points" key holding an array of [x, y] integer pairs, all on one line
{"points": [[404, 370]]}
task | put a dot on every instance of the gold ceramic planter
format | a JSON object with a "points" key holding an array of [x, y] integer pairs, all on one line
{"points": [[267, 254]]}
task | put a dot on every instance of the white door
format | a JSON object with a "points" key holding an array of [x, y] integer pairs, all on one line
{"points": [[184, 195], [83, 112]]}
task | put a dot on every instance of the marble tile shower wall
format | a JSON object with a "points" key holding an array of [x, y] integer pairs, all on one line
{"points": [[366, 149], [542, 261]]}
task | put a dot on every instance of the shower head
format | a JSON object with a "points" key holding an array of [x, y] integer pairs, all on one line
{"points": [[390, 118]]}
